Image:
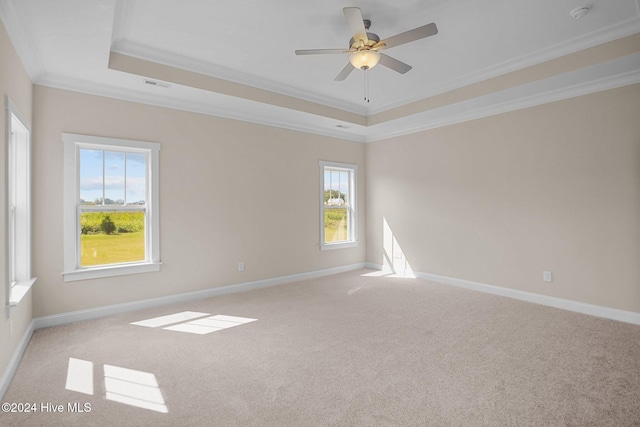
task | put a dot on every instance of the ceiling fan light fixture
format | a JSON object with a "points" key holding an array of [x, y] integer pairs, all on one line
{"points": [[364, 59]]}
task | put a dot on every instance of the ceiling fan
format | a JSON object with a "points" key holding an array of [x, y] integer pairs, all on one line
{"points": [[364, 47]]}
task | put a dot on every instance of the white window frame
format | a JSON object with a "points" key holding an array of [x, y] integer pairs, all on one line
{"points": [[18, 205], [72, 145], [352, 240]]}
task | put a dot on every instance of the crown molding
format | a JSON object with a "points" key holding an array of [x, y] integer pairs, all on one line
{"points": [[614, 32], [227, 107], [146, 53], [608, 75], [604, 76]]}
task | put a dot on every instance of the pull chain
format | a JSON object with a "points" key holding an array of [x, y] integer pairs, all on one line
{"points": [[366, 85]]}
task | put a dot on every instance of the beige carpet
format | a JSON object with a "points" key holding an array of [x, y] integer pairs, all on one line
{"points": [[340, 350]]}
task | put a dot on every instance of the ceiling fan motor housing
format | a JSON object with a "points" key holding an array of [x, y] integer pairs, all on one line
{"points": [[373, 39]]}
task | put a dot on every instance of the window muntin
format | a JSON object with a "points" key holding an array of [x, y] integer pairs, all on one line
{"points": [[338, 205], [111, 202]]}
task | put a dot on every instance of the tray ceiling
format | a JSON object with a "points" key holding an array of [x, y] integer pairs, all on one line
{"points": [[236, 59]]}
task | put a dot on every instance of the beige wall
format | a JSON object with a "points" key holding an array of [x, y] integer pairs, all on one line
{"points": [[496, 200], [500, 199], [15, 84], [230, 191]]}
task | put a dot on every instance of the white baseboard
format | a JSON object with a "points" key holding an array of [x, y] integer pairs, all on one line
{"points": [[565, 304], [94, 313], [76, 316], [8, 373]]}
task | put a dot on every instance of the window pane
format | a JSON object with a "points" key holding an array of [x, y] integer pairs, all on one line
{"points": [[344, 186], [336, 187], [336, 225], [136, 179], [91, 177], [11, 199], [114, 178], [112, 237]]}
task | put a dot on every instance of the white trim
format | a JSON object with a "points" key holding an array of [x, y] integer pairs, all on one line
{"points": [[618, 73], [603, 35], [582, 82], [110, 270], [352, 169], [564, 304], [251, 111], [19, 290], [19, 255], [611, 74], [332, 246], [110, 310], [72, 144], [126, 47], [107, 142], [95, 313], [10, 370]]}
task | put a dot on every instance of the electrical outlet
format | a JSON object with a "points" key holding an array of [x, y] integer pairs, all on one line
{"points": [[241, 266], [546, 276]]}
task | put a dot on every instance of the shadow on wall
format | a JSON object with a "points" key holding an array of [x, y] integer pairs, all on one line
{"points": [[394, 262]]}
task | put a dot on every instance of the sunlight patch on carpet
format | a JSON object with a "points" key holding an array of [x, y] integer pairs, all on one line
{"points": [[210, 324], [132, 387], [128, 386], [194, 322], [80, 376], [170, 319]]}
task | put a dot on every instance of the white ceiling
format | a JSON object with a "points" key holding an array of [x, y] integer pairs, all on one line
{"points": [[67, 44]]}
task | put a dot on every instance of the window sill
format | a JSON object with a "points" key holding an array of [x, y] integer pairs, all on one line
{"points": [[19, 290], [342, 245], [110, 271]]}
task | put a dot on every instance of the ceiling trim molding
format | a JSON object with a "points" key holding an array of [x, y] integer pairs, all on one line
{"points": [[569, 63], [167, 73], [521, 97], [120, 44], [626, 28], [146, 53], [223, 111], [598, 78]]}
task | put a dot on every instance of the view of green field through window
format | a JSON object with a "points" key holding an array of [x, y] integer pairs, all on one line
{"points": [[336, 206], [112, 207], [111, 237]]}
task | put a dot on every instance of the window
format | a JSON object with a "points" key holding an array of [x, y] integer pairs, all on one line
{"points": [[18, 182], [337, 205], [111, 224]]}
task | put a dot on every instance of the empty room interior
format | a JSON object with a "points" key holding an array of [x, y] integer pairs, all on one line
{"points": [[330, 213]]}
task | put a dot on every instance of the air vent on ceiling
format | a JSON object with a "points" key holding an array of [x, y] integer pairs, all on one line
{"points": [[156, 83], [580, 12]]}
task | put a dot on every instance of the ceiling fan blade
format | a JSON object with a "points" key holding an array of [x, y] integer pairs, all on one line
{"points": [[344, 73], [356, 23], [394, 64], [411, 35], [319, 51]]}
